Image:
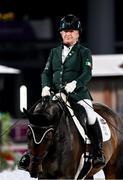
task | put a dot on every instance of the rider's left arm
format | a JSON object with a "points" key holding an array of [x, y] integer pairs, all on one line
{"points": [[86, 75]]}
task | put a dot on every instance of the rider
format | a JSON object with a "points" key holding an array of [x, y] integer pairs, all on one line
{"points": [[70, 65]]}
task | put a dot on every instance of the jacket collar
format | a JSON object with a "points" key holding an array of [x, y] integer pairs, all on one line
{"points": [[72, 51]]}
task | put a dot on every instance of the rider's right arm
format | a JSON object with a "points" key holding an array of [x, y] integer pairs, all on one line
{"points": [[46, 76]]}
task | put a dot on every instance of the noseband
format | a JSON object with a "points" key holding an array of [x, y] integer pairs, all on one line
{"points": [[38, 159], [44, 134]]}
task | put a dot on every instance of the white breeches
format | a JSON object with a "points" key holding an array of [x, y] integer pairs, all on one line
{"points": [[92, 115]]}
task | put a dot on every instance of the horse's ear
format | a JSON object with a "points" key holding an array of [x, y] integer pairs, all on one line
{"points": [[28, 115], [31, 116], [26, 112]]}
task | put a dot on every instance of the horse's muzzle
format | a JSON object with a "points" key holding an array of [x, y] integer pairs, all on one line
{"points": [[33, 175], [35, 168]]}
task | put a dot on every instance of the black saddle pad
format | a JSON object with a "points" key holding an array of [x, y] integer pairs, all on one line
{"points": [[80, 113]]}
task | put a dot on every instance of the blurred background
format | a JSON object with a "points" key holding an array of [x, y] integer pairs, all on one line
{"points": [[28, 30]]}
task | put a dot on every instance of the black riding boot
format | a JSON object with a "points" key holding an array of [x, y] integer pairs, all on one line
{"points": [[96, 137], [24, 161]]}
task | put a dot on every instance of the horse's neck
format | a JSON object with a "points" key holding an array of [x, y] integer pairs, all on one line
{"points": [[63, 132]]}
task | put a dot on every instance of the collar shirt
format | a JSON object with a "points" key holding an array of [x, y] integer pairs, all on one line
{"points": [[65, 52]]}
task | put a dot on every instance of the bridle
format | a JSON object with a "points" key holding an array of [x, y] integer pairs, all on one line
{"points": [[31, 126], [36, 159]]}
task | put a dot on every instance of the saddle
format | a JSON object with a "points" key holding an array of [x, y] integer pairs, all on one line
{"points": [[79, 116], [80, 113]]}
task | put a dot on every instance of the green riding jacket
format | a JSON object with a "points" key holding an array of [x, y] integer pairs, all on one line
{"points": [[77, 66]]}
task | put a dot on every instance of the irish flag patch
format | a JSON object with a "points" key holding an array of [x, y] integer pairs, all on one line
{"points": [[89, 64]]}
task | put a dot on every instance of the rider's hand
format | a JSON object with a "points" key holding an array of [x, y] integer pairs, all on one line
{"points": [[45, 91], [70, 87]]}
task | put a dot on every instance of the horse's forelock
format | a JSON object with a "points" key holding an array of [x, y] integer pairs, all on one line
{"points": [[38, 108], [43, 114], [42, 106], [41, 119]]}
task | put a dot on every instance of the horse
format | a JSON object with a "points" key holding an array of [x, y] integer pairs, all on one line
{"points": [[57, 150]]}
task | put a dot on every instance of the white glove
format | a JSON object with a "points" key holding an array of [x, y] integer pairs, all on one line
{"points": [[70, 87], [45, 91]]}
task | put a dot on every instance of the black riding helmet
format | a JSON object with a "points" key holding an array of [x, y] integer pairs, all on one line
{"points": [[70, 21]]}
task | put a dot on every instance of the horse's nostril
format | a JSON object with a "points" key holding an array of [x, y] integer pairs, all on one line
{"points": [[34, 170]]}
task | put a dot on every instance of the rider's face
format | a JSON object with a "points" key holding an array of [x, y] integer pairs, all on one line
{"points": [[70, 36]]}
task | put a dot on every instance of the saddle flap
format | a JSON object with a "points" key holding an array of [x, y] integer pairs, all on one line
{"points": [[80, 113]]}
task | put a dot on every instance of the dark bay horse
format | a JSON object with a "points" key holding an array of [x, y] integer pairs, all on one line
{"points": [[57, 149]]}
